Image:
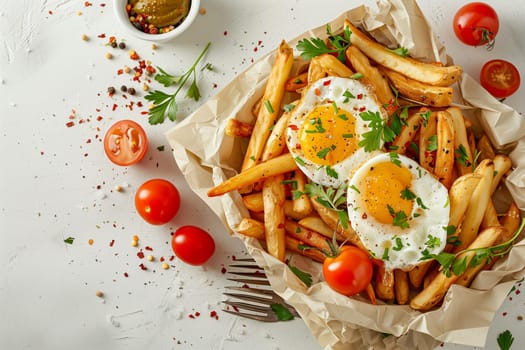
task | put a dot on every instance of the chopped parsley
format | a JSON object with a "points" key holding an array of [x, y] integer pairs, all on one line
{"points": [[394, 158], [348, 95], [462, 156], [432, 143], [379, 130], [408, 194], [399, 244], [400, 217], [269, 107], [313, 47]]}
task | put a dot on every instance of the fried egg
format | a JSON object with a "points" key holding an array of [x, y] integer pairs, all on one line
{"points": [[326, 128], [398, 209]]}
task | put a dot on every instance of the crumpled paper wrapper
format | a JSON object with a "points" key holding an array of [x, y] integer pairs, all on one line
{"points": [[207, 157]]}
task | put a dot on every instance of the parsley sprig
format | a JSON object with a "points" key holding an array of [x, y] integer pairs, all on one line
{"points": [[505, 340], [330, 197], [457, 263], [165, 104], [379, 130], [312, 47]]}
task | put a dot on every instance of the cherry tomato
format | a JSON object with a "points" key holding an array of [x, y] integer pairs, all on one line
{"points": [[475, 24], [192, 245], [349, 272], [157, 201], [499, 77], [125, 143]]}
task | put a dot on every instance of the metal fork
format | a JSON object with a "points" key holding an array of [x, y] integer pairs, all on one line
{"points": [[255, 303]]}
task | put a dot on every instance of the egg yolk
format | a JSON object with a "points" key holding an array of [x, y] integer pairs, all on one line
{"points": [[327, 135], [381, 189]]}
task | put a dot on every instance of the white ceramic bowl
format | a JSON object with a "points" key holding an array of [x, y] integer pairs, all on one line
{"points": [[122, 15]]}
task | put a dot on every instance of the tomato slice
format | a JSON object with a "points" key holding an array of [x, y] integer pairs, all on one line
{"points": [[125, 143], [500, 78]]}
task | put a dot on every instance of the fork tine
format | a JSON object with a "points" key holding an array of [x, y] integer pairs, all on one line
{"points": [[250, 307], [252, 290], [245, 266], [250, 281], [252, 316], [251, 298], [255, 274]]}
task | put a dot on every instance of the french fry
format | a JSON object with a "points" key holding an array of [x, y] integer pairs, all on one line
{"points": [[301, 203], [423, 72], [490, 218], [312, 238], [271, 105], [461, 144], [432, 294], [293, 245], [511, 221], [401, 287], [384, 285], [274, 219], [252, 228], [324, 65], [293, 84], [477, 205], [331, 218], [254, 203], [445, 151], [408, 132], [433, 96], [362, 65], [275, 166], [256, 107], [276, 143], [315, 223], [417, 274], [502, 164], [237, 128], [485, 149], [426, 132]]}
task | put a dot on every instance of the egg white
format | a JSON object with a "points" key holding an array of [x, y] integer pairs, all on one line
{"points": [[330, 92], [401, 247]]}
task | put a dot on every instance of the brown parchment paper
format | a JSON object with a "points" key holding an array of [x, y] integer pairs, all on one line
{"points": [[207, 157]]}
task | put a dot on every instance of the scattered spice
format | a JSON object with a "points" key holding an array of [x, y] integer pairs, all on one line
{"points": [[134, 243], [131, 91], [91, 241], [150, 258], [85, 37], [69, 240], [122, 45], [109, 55], [99, 294], [165, 266], [111, 90]]}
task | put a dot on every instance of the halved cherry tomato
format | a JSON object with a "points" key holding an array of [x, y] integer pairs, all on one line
{"points": [[476, 23], [349, 272], [499, 77], [125, 143], [192, 245], [157, 201]]}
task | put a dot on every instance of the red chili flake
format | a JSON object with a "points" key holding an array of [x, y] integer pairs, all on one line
{"points": [[140, 255], [281, 225], [85, 154], [234, 257], [87, 4], [50, 12], [213, 314], [130, 106], [102, 36], [254, 49], [327, 82], [144, 112], [126, 274], [362, 109], [225, 33], [191, 316], [214, 85], [293, 127], [111, 243], [359, 96], [150, 69], [504, 314], [148, 248], [114, 106], [143, 267], [518, 292], [139, 104], [161, 259], [364, 216], [197, 314], [172, 257], [223, 270], [112, 39], [134, 55], [41, 153], [259, 42], [317, 92], [103, 5], [120, 71], [70, 124], [99, 118], [88, 141]]}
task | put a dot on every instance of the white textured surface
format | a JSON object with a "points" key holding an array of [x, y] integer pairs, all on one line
{"points": [[56, 182]]}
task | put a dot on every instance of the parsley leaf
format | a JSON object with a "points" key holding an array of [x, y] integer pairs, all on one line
{"points": [[303, 276], [394, 158], [462, 156], [165, 104], [400, 217], [283, 314], [432, 143], [331, 198], [379, 130], [408, 194], [400, 51], [505, 340], [313, 47]]}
